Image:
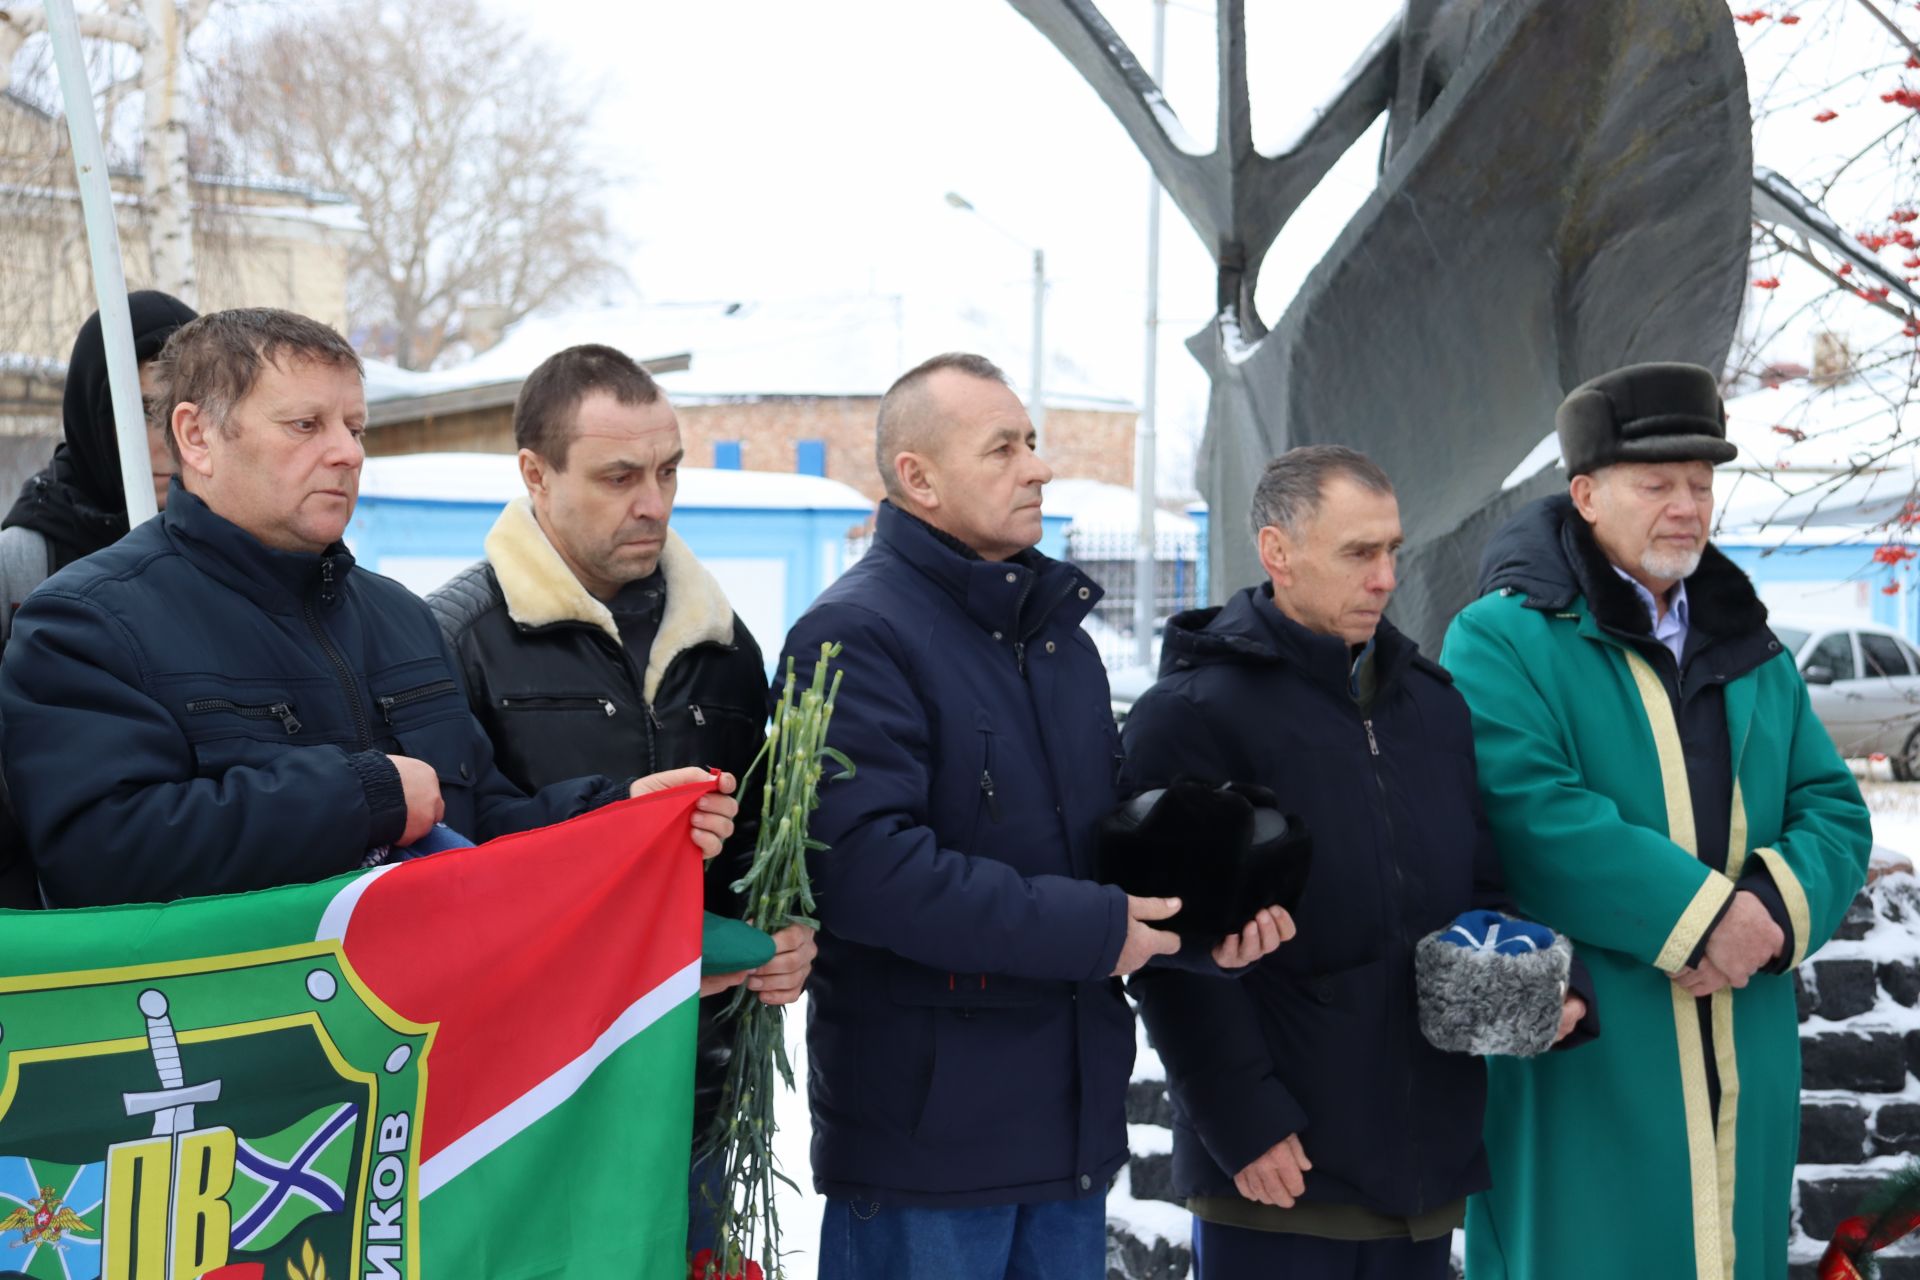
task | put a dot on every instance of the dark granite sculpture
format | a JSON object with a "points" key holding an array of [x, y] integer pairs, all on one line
{"points": [[1565, 188]]}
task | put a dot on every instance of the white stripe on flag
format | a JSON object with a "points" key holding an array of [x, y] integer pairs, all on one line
{"points": [[503, 1125], [333, 921]]}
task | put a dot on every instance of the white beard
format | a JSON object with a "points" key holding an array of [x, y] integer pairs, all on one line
{"points": [[1669, 566]]}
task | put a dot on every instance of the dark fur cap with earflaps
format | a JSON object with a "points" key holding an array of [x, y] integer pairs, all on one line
{"points": [[1665, 412], [1226, 851]]}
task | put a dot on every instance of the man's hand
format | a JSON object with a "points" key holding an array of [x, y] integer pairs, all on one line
{"points": [[421, 786], [713, 814], [1144, 942], [1702, 980], [1570, 1014], [1277, 1177], [780, 980], [712, 984], [1745, 941], [1262, 937]]}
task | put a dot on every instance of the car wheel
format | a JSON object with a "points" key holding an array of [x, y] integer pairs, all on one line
{"points": [[1906, 765]]}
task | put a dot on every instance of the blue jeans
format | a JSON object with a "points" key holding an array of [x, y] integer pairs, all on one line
{"points": [[705, 1186], [1238, 1253], [1059, 1240]]}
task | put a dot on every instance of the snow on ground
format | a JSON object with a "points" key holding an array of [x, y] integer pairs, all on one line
{"points": [[1895, 807], [799, 1209]]}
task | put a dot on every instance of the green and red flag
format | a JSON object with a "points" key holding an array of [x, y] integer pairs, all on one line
{"points": [[478, 1064]]}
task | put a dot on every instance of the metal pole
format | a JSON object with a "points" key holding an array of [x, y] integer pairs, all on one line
{"points": [[103, 246], [1037, 410], [1146, 576]]}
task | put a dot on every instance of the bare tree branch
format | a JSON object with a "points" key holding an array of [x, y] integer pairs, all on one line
{"points": [[1893, 28], [461, 147], [1839, 281]]}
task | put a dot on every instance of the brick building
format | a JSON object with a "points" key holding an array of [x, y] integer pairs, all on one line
{"points": [[779, 387]]}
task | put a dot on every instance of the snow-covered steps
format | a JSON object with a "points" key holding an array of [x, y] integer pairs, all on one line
{"points": [[1860, 1070]]}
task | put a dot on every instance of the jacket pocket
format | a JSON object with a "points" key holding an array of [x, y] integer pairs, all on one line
{"points": [[918, 985], [390, 704], [986, 816], [715, 715], [1338, 1043], [448, 745], [249, 727], [996, 1073], [280, 711], [710, 734], [558, 702]]}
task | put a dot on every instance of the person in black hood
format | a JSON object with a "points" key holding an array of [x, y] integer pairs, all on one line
{"points": [[76, 505]]}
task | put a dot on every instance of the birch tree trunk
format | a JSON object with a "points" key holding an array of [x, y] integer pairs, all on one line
{"points": [[158, 33], [167, 189]]}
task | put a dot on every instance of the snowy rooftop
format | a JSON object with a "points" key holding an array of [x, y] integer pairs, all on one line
{"points": [[1799, 425], [20, 362], [852, 346], [495, 478], [1098, 507], [1809, 509]]}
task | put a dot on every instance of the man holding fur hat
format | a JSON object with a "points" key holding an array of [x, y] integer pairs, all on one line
{"points": [[1661, 793], [1320, 1130]]}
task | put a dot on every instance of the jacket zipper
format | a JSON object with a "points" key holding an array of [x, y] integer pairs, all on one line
{"points": [[986, 776], [1019, 640], [281, 711], [1399, 923], [699, 716], [362, 730], [580, 703], [636, 675], [407, 697]]}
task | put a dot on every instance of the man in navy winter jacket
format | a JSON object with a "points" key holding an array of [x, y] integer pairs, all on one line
{"points": [[1317, 1134], [969, 1043], [221, 701]]}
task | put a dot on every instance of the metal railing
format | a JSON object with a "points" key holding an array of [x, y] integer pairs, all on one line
{"points": [[1107, 556]]}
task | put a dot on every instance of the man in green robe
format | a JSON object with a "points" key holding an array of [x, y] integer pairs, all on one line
{"points": [[1661, 792]]}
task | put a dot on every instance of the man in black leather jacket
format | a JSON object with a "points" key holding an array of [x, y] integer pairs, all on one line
{"points": [[592, 639]]}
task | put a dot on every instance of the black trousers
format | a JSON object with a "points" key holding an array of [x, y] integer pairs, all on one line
{"points": [[1236, 1253]]}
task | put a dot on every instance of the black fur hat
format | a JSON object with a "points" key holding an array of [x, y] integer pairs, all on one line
{"points": [[1224, 851], [1666, 412]]}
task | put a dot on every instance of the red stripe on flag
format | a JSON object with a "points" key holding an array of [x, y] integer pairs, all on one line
{"points": [[525, 949]]}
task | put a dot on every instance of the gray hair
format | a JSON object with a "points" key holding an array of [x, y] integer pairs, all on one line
{"points": [[1291, 487], [905, 423]]}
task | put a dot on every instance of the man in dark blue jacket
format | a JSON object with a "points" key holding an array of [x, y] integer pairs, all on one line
{"points": [[969, 1044], [221, 701], [1317, 1134]]}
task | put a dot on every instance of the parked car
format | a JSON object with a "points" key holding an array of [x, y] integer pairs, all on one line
{"points": [[1864, 681]]}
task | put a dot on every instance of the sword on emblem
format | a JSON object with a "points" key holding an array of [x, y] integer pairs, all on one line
{"points": [[171, 1105]]}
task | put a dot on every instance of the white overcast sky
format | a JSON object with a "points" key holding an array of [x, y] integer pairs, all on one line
{"points": [[794, 149]]}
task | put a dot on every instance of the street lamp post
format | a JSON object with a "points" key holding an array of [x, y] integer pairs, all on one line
{"points": [[1146, 567], [1036, 388]]}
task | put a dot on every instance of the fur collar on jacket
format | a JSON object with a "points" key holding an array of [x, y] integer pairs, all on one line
{"points": [[540, 591], [1549, 553], [1720, 597]]}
